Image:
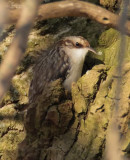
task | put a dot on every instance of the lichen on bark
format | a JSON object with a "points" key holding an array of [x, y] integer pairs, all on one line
{"points": [[58, 126], [76, 129]]}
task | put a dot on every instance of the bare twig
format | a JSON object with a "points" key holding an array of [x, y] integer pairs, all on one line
{"points": [[3, 16], [113, 141], [18, 46], [75, 9]]}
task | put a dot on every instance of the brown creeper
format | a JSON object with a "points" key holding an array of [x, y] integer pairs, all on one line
{"points": [[64, 60]]}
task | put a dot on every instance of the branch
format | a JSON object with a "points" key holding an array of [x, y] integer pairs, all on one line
{"points": [[3, 16], [114, 133], [18, 46], [75, 9]]}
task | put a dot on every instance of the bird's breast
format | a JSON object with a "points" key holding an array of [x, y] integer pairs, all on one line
{"points": [[74, 75]]}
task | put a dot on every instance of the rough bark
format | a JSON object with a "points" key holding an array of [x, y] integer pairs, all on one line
{"points": [[77, 129], [59, 126]]}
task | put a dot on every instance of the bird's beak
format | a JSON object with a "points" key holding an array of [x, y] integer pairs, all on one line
{"points": [[92, 50]]}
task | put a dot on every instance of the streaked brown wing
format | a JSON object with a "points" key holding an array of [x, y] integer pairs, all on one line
{"points": [[51, 65]]}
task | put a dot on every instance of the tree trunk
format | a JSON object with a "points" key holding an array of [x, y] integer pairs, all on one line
{"points": [[60, 129], [60, 126]]}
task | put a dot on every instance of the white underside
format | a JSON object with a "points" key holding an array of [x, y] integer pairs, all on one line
{"points": [[77, 57]]}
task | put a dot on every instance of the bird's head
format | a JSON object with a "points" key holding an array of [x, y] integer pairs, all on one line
{"points": [[76, 47]]}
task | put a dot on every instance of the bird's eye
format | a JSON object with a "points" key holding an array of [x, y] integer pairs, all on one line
{"points": [[78, 44]]}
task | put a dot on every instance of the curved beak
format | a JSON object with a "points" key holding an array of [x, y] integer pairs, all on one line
{"points": [[92, 50]]}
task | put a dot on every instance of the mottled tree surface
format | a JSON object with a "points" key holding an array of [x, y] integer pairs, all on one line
{"points": [[58, 126]]}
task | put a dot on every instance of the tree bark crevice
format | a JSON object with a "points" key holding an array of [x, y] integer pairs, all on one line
{"points": [[85, 137]]}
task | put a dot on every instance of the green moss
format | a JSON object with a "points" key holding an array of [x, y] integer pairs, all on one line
{"points": [[109, 45], [111, 4], [11, 132], [11, 96], [108, 2], [111, 53], [78, 100], [25, 64], [127, 48], [108, 37]]}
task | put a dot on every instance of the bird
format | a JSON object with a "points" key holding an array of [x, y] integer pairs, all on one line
{"points": [[64, 59]]}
